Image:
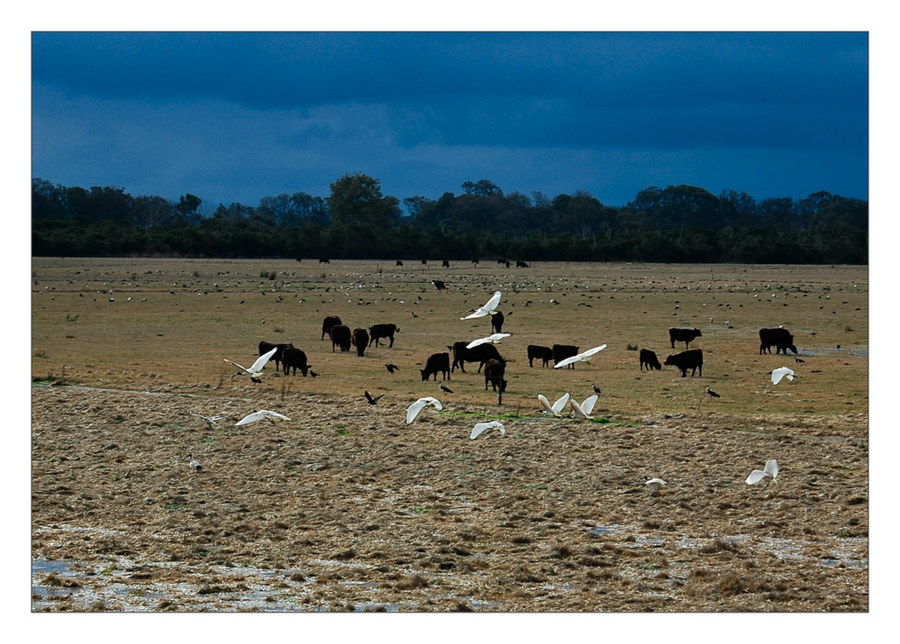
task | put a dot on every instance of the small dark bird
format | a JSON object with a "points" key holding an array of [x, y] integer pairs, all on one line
{"points": [[799, 361], [446, 388], [711, 392], [374, 400], [195, 465], [391, 367], [313, 373], [596, 389]]}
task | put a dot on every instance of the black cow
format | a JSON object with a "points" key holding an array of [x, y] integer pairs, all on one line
{"points": [[541, 353], [649, 358], [360, 339], [265, 347], [683, 335], [493, 374], [521, 264], [340, 336], [496, 322], [480, 354], [692, 359], [437, 362], [378, 331], [445, 264], [324, 260], [399, 262], [563, 351], [439, 284], [781, 338], [329, 322], [294, 359]]}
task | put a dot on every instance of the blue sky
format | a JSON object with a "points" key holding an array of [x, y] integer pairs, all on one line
{"points": [[234, 117]]}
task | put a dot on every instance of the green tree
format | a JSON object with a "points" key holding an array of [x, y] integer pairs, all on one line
{"points": [[357, 199]]}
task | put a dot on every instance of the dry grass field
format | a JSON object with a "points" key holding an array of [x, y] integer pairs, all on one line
{"points": [[345, 507]]}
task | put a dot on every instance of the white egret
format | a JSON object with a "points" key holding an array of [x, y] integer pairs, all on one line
{"points": [[259, 415], [654, 484], [494, 338], [482, 427], [556, 408], [419, 405], [487, 309], [256, 369], [210, 420], [584, 409], [780, 373], [770, 471], [583, 356]]}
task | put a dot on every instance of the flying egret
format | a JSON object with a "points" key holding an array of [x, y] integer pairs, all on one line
{"points": [[259, 415], [419, 405], [654, 484], [256, 369], [210, 420], [482, 427], [584, 355], [195, 464], [487, 309], [780, 373], [556, 408], [770, 471], [584, 409], [494, 338], [374, 400]]}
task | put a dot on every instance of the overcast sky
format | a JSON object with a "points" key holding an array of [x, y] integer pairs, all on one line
{"points": [[234, 117]]}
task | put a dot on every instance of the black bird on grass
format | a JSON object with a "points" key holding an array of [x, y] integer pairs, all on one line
{"points": [[446, 388], [712, 393], [374, 400], [391, 367], [313, 374], [195, 465], [596, 389], [799, 361]]}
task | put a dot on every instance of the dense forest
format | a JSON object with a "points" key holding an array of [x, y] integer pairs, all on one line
{"points": [[356, 221]]}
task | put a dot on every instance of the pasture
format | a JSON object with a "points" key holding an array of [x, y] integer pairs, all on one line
{"points": [[345, 507]]}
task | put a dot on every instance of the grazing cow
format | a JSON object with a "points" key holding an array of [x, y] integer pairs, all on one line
{"points": [[563, 351], [265, 347], [399, 262], [683, 335], [437, 362], [494, 370], [294, 359], [480, 354], [522, 265], [340, 336], [781, 338], [360, 339], [378, 331], [692, 359], [329, 322], [649, 358], [445, 264], [544, 354], [496, 322], [324, 260]]}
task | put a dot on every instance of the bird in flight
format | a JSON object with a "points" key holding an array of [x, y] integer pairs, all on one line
{"points": [[584, 355], [654, 484], [480, 428], [494, 338], [556, 408], [391, 367], [419, 405], [770, 471], [373, 401], [487, 309], [210, 420], [584, 409], [780, 373], [256, 368], [259, 415]]}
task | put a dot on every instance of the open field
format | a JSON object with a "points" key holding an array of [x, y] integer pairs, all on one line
{"points": [[345, 507]]}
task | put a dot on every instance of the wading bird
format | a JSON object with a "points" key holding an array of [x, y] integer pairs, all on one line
{"points": [[487, 309], [556, 408], [256, 369], [583, 356], [780, 373], [584, 409], [373, 401], [494, 338], [770, 471], [419, 405], [259, 415], [480, 428]]}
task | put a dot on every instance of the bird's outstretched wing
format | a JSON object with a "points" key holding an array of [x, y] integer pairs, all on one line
{"points": [[780, 373], [372, 400], [588, 405], [487, 309], [259, 415], [586, 355], [419, 405], [755, 477], [546, 405], [480, 428], [262, 360], [772, 468], [495, 338]]}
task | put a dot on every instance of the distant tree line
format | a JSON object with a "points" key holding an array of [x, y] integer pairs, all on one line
{"points": [[356, 221]]}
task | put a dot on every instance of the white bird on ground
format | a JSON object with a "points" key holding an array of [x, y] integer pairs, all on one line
{"points": [[780, 373], [584, 409], [494, 338], [556, 408], [419, 405], [195, 464], [771, 471], [487, 309], [210, 420], [654, 484], [256, 369], [583, 356], [259, 415], [482, 427]]}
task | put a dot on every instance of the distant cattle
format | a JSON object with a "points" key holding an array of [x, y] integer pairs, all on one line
{"points": [[324, 260], [265, 347], [563, 351], [329, 322], [340, 336], [399, 262], [692, 359], [522, 265], [496, 322], [649, 358], [480, 354], [445, 264], [295, 359], [780, 338], [437, 362], [378, 331], [360, 339], [535, 351], [439, 284], [683, 335], [494, 370]]}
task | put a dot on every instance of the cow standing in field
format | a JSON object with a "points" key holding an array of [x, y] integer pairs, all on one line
{"points": [[494, 371], [780, 338], [329, 322], [360, 339], [692, 359], [649, 358], [497, 322], [265, 347], [340, 336], [437, 362], [379, 331], [480, 354], [294, 359], [683, 335], [535, 351], [563, 351]]}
